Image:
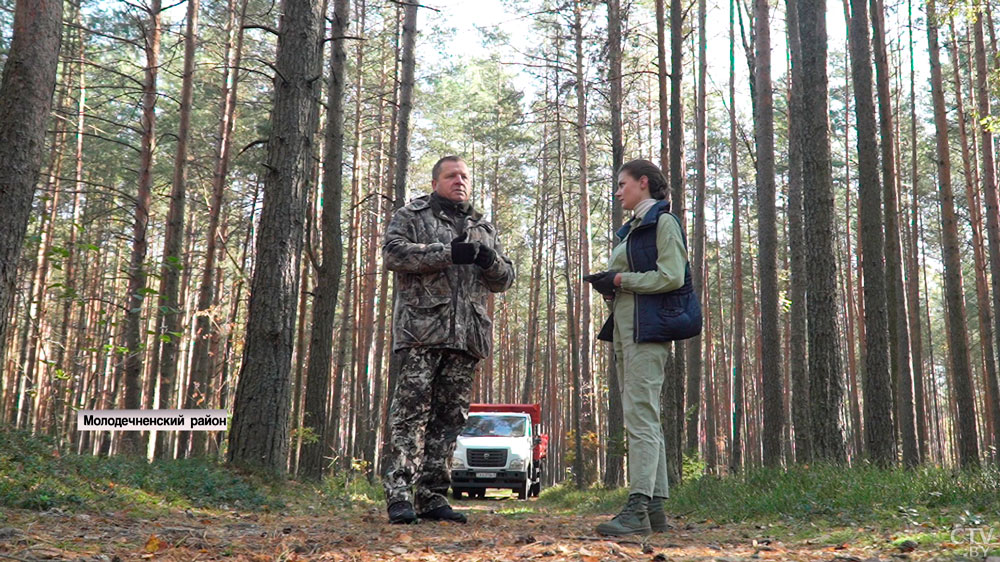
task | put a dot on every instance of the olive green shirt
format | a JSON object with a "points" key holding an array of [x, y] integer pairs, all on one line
{"points": [[671, 263]]}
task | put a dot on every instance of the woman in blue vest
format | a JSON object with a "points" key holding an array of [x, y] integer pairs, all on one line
{"points": [[653, 304]]}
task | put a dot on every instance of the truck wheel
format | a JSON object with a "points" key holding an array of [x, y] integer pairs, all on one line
{"points": [[456, 493], [522, 490], [536, 489]]}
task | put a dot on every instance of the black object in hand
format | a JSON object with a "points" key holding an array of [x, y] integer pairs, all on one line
{"points": [[486, 256], [603, 282], [463, 252]]}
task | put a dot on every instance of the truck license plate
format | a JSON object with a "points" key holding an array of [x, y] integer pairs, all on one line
{"points": [[486, 475]]}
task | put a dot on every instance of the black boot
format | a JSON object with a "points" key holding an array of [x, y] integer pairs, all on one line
{"points": [[657, 516], [632, 520], [444, 513], [402, 513]]}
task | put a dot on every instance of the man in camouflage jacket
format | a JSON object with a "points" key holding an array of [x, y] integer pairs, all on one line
{"points": [[447, 261]]}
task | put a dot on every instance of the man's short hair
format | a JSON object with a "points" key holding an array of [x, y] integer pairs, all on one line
{"points": [[436, 170]]}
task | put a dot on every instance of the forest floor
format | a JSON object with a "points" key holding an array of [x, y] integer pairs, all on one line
{"points": [[56, 505], [500, 528]]}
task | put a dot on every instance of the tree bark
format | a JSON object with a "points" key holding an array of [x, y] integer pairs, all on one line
{"points": [[673, 387], [899, 333], [583, 289], [913, 272], [988, 178], [880, 439], [767, 237], [826, 387], [614, 474], [169, 313], [736, 447], [29, 78], [206, 335], [958, 339], [134, 334], [259, 437], [801, 411], [311, 461], [694, 345]]}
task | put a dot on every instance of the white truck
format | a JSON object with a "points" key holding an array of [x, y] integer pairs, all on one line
{"points": [[501, 446]]}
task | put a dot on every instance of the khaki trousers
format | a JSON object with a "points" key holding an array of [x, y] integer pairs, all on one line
{"points": [[641, 371]]}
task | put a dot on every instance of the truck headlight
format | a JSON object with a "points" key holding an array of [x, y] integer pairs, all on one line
{"points": [[457, 462], [517, 463]]}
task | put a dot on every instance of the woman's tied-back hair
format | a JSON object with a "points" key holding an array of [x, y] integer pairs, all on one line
{"points": [[639, 168]]}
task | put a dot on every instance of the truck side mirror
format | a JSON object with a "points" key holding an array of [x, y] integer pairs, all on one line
{"points": [[537, 440]]}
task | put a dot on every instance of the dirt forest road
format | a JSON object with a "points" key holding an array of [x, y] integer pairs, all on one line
{"points": [[498, 530]]}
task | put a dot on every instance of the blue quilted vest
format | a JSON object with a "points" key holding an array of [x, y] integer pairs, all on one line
{"points": [[660, 317]]}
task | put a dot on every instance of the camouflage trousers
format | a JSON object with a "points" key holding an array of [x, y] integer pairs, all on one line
{"points": [[429, 409]]}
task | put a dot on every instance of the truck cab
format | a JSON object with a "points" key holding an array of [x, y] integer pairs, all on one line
{"points": [[501, 446]]}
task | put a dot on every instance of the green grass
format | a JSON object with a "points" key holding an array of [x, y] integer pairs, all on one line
{"points": [[861, 493], [33, 475], [819, 493]]}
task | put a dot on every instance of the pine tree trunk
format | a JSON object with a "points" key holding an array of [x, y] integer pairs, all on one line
{"points": [[880, 441], [958, 339], [134, 335], [796, 245], [583, 289], [311, 461], [899, 334], [694, 345], [673, 387], [970, 180], [29, 78], [205, 334], [736, 447], [826, 387], [664, 104], [988, 179], [169, 313], [912, 270], [259, 436], [767, 237], [614, 474]]}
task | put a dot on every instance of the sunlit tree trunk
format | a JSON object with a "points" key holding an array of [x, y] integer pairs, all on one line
{"points": [[989, 185], [170, 311], [958, 339], [134, 334], [206, 335]]}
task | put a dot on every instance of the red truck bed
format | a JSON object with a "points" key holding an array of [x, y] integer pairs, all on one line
{"points": [[534, 409]]}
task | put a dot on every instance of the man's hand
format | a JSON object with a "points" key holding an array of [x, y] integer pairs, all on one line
{"points": [[486, 256], [603, 282], [463, 252]]}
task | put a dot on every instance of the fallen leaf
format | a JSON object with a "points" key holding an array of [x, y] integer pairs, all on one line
{"points": [[154, 544]]}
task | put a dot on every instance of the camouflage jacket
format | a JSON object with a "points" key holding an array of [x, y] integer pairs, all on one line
{"points": [[440, 304]]}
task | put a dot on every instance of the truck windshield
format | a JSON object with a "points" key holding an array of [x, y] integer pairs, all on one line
{"points": [[494, 426]]}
